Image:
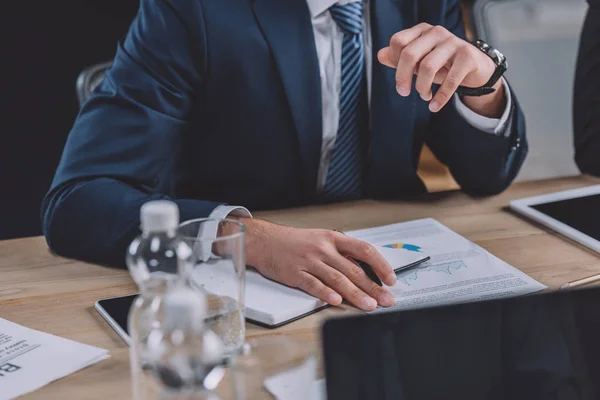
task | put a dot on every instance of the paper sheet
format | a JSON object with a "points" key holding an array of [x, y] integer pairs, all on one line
{"points": [[279, 388], [459, 270], [283, 387], [280, 391], [297, 384], [31, 359]]}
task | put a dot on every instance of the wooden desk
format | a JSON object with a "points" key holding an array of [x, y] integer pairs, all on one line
{"points": [[56, 295]]}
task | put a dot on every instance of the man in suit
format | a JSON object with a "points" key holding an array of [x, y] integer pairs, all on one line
{"points": [[586, 98], [225, 106]]}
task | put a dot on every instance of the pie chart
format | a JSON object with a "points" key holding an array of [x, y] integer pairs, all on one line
{"points": [[405, 246]]}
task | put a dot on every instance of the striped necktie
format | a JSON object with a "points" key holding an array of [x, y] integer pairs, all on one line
{"points": [[344, 177]]}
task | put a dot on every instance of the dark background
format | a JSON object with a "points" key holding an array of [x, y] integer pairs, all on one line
{"points": [[45, 44]]}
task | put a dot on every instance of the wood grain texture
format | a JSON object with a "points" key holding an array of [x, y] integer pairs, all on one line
{"points": [[57, 295]]}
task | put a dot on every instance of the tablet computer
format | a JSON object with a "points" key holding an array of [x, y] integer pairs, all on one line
{"points": [[115, 311], [572, 213]]}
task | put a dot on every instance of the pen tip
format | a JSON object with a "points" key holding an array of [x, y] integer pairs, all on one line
{"points": [[565, 287]]}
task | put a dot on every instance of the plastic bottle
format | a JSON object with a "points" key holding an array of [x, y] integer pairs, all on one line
{"points": [[187, 357], [155, 262]]}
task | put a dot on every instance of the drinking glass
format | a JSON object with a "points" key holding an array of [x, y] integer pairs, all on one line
{"points": [[275, 367], [217, 268]]}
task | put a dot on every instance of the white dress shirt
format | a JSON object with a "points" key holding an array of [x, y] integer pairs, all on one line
{"points": [[328, 42]]}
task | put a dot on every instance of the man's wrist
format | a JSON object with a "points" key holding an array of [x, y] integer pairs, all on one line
{"points": [[491, 105], [257, 240]]}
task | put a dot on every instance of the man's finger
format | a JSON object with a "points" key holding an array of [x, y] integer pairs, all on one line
{"points": [[441, 75], [357, 276], [460, 69], [368, 253], [384, 57], [316, 288], [411, 56], [430, 67], [402, 39], [339, 282]]}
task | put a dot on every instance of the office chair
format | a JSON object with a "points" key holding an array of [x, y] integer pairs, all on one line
{"points": [[89, 79], [540, 40]]}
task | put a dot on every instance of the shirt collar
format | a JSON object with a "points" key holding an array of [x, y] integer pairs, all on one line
{"points": [[318, 7]]}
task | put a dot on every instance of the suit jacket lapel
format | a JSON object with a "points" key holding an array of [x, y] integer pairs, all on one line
{"points": [[391, 163], [287, 27]]}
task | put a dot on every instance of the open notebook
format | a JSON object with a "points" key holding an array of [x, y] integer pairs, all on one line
{"points": [[272, 304]]}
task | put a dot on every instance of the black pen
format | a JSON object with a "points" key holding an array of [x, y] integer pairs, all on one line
{"points": [[364, 266], [369, 271], [371, 274]]}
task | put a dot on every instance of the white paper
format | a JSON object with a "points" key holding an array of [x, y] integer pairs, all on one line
{"points": [[459, 270], [297, 384], [31, 359], [280, 390]]}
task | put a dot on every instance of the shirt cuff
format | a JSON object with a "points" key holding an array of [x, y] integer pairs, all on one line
{"points": [[208, 231], [223, 211], [492, 126]]}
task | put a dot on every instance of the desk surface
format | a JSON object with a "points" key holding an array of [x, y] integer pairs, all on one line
{"points": [[57, 295]]}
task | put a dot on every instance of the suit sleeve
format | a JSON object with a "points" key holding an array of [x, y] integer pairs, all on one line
{"points": [[123, 145], [481, 163], [586, 104]]}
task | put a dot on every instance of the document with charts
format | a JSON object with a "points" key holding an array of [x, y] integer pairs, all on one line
{"points": [[458, 271]]}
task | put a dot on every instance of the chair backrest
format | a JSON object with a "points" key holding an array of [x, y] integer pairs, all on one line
{"points": [[540, 40], [89, 79]]}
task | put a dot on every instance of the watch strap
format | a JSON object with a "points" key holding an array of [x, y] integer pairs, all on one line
{"points": [[485, 89]]}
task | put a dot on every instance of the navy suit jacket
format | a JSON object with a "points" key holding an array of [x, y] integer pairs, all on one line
{"points": [[218, 101]]}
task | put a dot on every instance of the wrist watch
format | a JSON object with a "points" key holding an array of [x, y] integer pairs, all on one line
{"points": [[501, 66]]}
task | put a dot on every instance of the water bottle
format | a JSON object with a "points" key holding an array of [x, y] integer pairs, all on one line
{"points": [[155, 262], [187, 356]]}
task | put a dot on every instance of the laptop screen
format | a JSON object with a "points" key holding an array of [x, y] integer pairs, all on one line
{"points": [[535, 347]]}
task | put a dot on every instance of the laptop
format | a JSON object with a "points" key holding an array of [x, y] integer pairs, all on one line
{"points": [[544, 346]]}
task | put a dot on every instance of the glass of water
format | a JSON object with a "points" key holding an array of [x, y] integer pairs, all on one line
{"points": [[217, 268]]}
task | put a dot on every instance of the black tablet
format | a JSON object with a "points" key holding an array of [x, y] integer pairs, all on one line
{"points": [[115, 312]]}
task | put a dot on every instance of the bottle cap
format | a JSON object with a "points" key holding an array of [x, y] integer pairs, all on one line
{"points": [[183, 306], [159, 216]]}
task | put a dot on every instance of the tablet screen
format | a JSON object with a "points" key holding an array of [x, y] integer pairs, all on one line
{"points": [[581, 213], [117, 310]]}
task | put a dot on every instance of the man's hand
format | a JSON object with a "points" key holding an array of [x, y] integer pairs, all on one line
{"points": [[314, 260], [435, 55]]}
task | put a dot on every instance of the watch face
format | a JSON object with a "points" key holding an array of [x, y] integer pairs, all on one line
{"points": [[497, 56]]}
